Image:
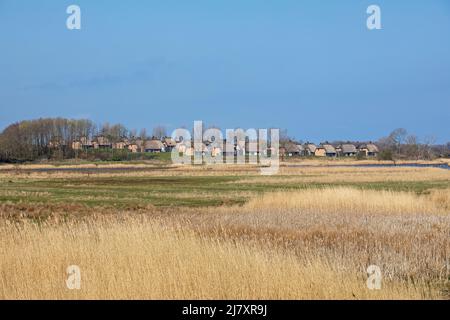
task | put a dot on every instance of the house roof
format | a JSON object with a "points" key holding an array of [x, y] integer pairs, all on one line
{"points": [[372, 148], [329, 148], [101, 140], [311, 147], [348, 148], [154, 145], [291, 148], [137, 142]]}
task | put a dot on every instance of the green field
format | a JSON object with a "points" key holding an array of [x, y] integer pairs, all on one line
{"points": [[192, 191]]}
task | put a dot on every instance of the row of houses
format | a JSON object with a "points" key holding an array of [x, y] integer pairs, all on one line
{"points": [[236, 148], [133, 145], [249, 148], [328, 150], [167, 144]]}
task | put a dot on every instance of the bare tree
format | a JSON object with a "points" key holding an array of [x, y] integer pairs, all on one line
{"points": [[284, 137], [397, 138], [117, 132], [427, 145], [159, 132], [143, 134], [412, 147], [42, 138], [143, 137]]}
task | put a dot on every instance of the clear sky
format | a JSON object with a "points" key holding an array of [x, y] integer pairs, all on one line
{"points": [[309, 66]]}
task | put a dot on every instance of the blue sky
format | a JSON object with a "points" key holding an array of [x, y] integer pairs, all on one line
{"points": [[311, 67]]}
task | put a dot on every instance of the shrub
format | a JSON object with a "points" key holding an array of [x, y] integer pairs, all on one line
{"points": [[361, 156], [385, 155]]}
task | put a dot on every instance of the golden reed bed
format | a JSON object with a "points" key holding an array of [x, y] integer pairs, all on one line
{"points": [[144, 259], [311, 244]]}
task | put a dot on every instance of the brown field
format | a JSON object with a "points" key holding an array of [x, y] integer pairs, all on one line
{"points": [[180, 233]]}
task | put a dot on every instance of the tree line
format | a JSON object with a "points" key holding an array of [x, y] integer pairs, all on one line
{"points": [[51, 138], [400, 144]]}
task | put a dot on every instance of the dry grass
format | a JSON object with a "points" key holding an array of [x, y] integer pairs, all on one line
{"points": [[313, 171], [304, 244], [130, 258], [123, 170], [345, 200], [405, 234], [352, 161], [441, 198], [323, 174]]}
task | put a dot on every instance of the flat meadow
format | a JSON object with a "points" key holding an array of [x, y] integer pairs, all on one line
{"points": [[158, 231]]}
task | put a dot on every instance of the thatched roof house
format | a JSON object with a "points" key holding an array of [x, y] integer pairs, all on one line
{"points": [[133, 147], [348, 150], [101, 142], [325, 150], [122, 144], [310, 149], [370, 149], [154, 146], [82, 143], [292, 149]]}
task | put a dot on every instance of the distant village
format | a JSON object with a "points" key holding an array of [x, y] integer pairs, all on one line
{"points": [[247, 147], [59, 138]]}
